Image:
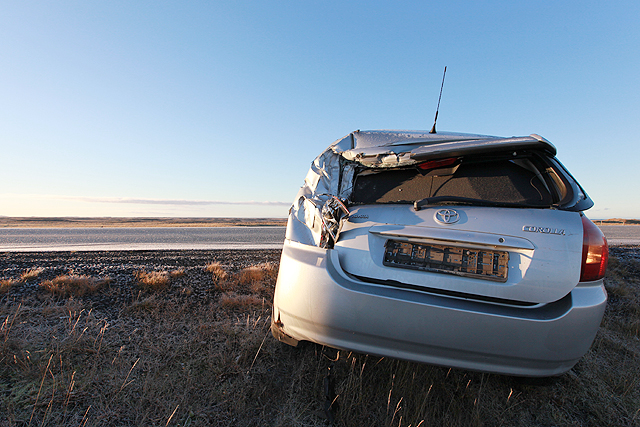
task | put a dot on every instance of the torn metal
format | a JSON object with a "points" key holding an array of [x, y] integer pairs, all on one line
{"points": [[333, 212], [319, 207]]}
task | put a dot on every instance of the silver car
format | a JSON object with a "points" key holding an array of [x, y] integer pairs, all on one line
{"points": [[459, 250]]}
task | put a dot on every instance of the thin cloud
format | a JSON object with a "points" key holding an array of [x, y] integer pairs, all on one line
{"points": [[139, 201], [173, 202]]}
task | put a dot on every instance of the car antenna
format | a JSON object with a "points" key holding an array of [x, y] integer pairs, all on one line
{"points": [[433, 129]]}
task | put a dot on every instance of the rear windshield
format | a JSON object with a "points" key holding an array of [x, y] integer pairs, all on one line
{"points": [[526, 180]]}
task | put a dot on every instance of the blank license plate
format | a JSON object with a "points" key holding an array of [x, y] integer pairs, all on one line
{"points": [[482, 264]]}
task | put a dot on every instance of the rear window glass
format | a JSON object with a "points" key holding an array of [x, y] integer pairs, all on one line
{"points": [[511, 181]]}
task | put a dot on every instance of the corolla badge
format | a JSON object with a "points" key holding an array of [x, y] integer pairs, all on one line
{"points": [[543, 230], [447, 216]]}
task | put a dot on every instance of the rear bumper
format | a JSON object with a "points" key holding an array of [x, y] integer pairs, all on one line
{"points": [[315, 300]]}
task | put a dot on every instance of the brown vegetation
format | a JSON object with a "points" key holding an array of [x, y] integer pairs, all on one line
{"points": [[233, 300], [219, 276], [217, 270], [176, 273], [153, 280], [32, 273], [6, 284], [205, 358], [259, 279], [74, 285]]}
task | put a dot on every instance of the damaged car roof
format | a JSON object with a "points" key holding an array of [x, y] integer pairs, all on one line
{"points": [[393, 148]]}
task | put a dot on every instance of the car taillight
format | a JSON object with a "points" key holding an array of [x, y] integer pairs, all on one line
{"points": [[595, 252]]}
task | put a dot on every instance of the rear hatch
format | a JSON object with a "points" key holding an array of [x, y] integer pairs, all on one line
{"points": [[515, 256], [499, 225]]}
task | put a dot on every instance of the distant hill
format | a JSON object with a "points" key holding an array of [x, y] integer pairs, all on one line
{"points": [[617, 221]]}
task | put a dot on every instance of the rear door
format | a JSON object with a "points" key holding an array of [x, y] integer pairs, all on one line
{"points": [[525, 256]]}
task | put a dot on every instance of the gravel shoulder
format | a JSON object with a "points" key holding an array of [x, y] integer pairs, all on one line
{"points": [[194, 285]]}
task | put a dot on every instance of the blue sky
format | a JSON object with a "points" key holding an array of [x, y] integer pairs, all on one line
{"points": [[217, 108]]}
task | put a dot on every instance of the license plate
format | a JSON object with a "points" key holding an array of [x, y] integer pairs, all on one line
{"points": [[481, 264]]}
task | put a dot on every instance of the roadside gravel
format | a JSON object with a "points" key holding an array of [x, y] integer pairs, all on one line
{"points": [[121, 266]]}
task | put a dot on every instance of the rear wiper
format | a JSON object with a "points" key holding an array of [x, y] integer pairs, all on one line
{"points": [[419, 204]]}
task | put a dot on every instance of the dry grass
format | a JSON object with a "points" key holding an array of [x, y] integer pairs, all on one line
{"points": [[250, 275], [174, 274], [220, 276], [217, 271], [233, 300], [73, 284], [623, 286], [153, 280], [149, 304], [258, 278], [167, 359], [6, 284], [250, 287], [32, 273]]}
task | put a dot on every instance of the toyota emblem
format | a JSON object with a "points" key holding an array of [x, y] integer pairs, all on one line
{"points": [[447, 216]]}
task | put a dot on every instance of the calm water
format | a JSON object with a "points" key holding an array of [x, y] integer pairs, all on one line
{"points": [[103, 239]]}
